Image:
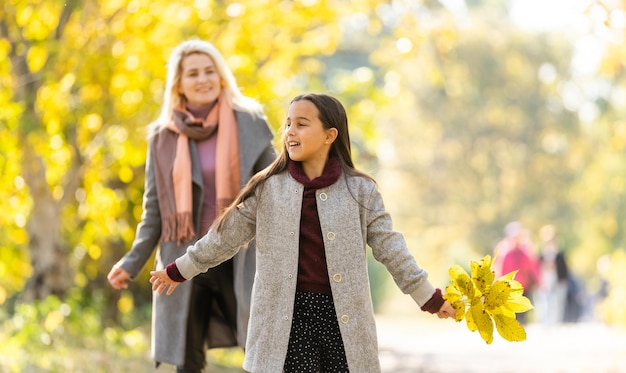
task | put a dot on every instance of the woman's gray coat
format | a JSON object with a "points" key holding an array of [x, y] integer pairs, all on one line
{"points": [[169, 316], [352, 216]]}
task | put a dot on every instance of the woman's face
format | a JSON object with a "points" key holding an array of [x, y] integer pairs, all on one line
{"points": [[199, 82]]}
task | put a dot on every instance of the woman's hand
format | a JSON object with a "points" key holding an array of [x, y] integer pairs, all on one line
{"points": [[160, 281], [118, 277], [446, 311]]}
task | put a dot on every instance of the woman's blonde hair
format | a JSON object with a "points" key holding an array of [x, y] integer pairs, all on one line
{"points": [[171, 96]]}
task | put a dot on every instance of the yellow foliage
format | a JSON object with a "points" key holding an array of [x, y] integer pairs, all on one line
{"points": [[126, 174], [92, 121], [135, 339], [90, 93], [97, 81], [482, 275], [94, 252], [481, 321], [509, 328], [518, 304], [53, 320], [19, 236], [498, 295], [613, 308], [462, 281], [37, 57], [125, 304], [24, 15], [80, 279], [482, 302]]}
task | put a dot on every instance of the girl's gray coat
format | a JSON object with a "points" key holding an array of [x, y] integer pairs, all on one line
{"points": [[352, 215], [169, 316]]}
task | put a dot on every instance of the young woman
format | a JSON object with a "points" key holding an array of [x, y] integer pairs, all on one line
{"points": [[313, 215], [207, 143]]}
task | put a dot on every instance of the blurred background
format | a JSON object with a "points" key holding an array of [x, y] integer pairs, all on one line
{"points": [[469, 113]]}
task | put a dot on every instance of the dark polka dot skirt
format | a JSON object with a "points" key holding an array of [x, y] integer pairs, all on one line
{"points": [[315, 344]]}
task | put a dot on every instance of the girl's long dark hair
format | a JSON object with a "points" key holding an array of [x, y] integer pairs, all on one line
{"points": [[332, 115]]}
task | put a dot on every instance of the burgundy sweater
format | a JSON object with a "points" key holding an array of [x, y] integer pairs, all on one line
{"points": [[312, 269]]}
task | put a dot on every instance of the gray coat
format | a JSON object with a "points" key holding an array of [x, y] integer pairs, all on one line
{"points": [[169, 316], [352, 216]]}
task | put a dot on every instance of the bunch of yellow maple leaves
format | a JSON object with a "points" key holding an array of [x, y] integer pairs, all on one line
{"points": [[481, 301]]}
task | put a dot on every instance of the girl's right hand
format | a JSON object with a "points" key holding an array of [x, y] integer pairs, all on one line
{"points": [[446, 311], [160, 281]]}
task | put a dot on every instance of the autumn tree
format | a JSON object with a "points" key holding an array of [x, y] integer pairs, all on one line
{"points": [[478, 132], [33, 50], [83, 80]]}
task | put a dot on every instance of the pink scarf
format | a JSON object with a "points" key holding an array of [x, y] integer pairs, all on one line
{"points": [[173, 167]]}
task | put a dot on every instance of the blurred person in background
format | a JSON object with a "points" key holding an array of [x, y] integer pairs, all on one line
{"points": [[207, 143], [514, 253], [551, 296]]}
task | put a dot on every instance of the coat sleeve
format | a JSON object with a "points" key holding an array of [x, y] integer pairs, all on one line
{"points": [[148, 231], [389, 248], [216, 247]]}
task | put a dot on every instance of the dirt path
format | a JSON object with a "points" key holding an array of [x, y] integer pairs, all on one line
{"points": [[430, 345]]}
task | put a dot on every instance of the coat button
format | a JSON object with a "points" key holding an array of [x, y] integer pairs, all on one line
{"points": [[323, 196], [292, 233], [286, 318], [290, 275], [337, 277], [345, 319], [330, 236]]}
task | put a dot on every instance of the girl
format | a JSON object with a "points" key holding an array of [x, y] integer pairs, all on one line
{"points": [[312, 214]]}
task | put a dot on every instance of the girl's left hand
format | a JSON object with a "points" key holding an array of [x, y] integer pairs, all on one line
{"points": [[160, 281], [446, 311]]}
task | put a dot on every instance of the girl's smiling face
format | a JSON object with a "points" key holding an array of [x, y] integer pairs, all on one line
{"points": [[200, 82], [306, 139]]}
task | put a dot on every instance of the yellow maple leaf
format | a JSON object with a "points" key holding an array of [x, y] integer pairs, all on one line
{"points": [[482, 321], [461, 280], [498, 294], [483, 302], [502, 310], [457, 300], [509, 328], [469, 320], [482, 274], [518, 304], [516, 286]]}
